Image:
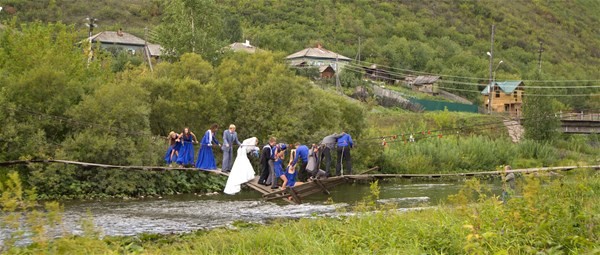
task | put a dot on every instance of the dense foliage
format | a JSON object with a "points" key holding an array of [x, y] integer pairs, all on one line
{"points": [[56, 106], [448, 37], [545, 216]]}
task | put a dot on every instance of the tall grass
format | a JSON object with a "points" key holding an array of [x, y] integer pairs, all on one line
{"points": [[458, 155]]}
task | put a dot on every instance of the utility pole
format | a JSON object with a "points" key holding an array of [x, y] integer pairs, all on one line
{"points": [[338, 86], [147, 49], [193, 33], [491, 80], [91, 25], [540, 58], [358, 55]]}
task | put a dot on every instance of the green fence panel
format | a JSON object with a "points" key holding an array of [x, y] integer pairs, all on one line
{"points": [[429, 105]]}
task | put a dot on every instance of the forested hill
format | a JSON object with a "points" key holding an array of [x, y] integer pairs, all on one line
{"points": [[442, 37]]}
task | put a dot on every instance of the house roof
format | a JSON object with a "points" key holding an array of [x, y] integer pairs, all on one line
{"points": [[506, 87], [155, 49], [114, 38], [425, 79], [318, 52], [323, 68], [242, 47]]}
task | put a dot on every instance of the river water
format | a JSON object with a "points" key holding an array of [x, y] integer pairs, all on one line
{"points": [[185, 213]]}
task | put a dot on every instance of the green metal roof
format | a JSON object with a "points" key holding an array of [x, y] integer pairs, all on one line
{"points": [[506, 86]]}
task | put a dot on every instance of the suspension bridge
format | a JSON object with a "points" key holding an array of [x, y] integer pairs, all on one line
{"points": [[299, 192]]}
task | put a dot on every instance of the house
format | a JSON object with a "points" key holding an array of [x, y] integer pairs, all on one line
{"points": [[318, 57], [379, 74], [119, 40], [426, 84], [507, 96], [326, 71], [242, 47]]}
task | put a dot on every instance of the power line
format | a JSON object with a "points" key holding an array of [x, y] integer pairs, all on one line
{"points": [[526, 94], [479, 84], [409, 71], [474, 84]]}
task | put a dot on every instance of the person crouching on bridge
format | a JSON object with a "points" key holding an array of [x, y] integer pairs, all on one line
{"points": [[186, 153], [173, 150], [313, 164], [301, 153], [267, 156], [278, 166], [290, 173], [206, 158], [327, 145], [344, 144]]}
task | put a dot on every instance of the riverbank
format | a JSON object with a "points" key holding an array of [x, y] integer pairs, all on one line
{"points": [[543, 215]]}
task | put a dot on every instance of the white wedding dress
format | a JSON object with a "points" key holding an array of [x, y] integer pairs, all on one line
{"points": [[241, 171]]}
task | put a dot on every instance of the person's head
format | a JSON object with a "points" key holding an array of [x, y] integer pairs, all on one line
{"points": [[315, 147], [232, 128], [214, 127], [297, 144], [282, 146], [507, 167], [272, 141], [172, 135], [186, 130], [281, 153]]}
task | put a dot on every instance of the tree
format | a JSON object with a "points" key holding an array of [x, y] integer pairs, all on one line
{"points": [[539, 118], [191, 26]]}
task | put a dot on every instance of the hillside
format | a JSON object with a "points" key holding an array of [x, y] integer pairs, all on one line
{"points": [[447, 37]]}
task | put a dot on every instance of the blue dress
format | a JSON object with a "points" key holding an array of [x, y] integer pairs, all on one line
{"points": [[279, 168], [175, 147], [291, 178], [186, 152], [206, 159]]}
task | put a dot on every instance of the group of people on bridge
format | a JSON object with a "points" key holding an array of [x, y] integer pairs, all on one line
{"points": [[273, 171]]}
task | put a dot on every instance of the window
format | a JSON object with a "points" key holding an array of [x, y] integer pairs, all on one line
{"points": [[516, 95], [497, 93], [506, 107]]}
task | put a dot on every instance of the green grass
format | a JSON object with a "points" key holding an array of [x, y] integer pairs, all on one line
{"points": [[449, 142]]}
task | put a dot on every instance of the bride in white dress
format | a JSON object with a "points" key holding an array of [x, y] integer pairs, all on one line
{"points": [[241, 171]]}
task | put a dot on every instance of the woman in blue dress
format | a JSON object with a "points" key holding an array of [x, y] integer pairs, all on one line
{"points": [[290, 173], [206, 158], [186, 152], [173, 150], [278, 164]]}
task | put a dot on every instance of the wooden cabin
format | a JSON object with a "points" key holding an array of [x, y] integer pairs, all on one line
{"points": [[426, 84], [507, 97], [326, 72]]}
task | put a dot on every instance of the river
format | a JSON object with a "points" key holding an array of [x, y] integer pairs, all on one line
{"points": [[185, 213]]}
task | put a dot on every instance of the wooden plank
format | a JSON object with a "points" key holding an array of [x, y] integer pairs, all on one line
{"points": [[295, 196], [323, 188], [369, 170]]}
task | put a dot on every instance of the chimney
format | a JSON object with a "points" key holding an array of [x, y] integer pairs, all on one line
{"points": [[120, 32], [247, 44]]}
